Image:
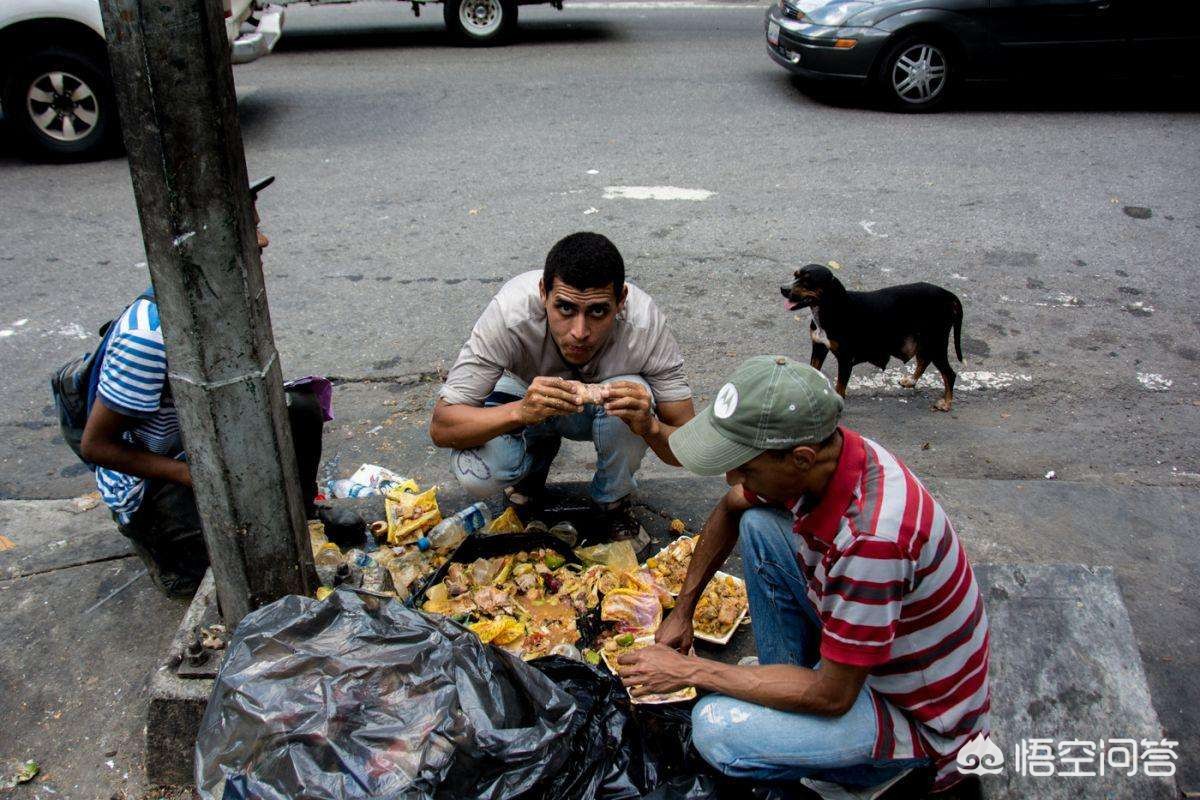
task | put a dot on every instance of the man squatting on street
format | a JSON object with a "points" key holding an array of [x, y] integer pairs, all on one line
{"points": [[509, 398], [133, 437], [870, 628]]}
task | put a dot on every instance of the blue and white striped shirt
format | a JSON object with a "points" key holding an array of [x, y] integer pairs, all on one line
{"points": [[133, 382]]}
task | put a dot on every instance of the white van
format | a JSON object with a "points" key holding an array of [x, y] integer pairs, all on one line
{"points": [[55, 86]]}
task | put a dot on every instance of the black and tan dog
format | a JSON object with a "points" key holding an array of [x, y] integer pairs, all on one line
{"points": [[909, 321]]}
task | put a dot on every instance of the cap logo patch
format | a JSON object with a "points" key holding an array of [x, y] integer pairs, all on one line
{"points": [[726, 402]]}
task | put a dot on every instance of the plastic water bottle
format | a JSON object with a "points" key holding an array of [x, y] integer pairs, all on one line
{"points": [[453, 529]]}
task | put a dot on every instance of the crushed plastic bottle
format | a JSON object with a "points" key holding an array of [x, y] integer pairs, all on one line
{"points": [[451, 531]]}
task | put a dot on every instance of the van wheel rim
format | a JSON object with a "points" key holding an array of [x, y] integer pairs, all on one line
{"points": [[62, 106], [480, 17]]}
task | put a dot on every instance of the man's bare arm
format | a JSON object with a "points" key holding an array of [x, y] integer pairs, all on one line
{"points": [[632, 403], [671, 416], [462, 426], [102, 444], [717, 538], [828, 691]]}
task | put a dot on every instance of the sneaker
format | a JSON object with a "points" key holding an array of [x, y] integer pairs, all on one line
{"points": [[170, 583]]}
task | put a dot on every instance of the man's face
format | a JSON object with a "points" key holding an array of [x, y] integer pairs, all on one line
{"points": [[580, 320], [768, 476]]}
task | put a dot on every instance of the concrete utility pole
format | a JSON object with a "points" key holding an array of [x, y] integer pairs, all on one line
{"points": [[174, 88]]}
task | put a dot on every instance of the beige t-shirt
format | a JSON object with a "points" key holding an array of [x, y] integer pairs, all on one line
{"points": [[511, 336]]}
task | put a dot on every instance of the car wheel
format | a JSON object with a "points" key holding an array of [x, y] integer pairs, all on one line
{"points": [[61, 104], [480, 21], [918, 73]]}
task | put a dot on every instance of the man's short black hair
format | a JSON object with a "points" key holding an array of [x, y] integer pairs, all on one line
{"points": [[585, 260]]}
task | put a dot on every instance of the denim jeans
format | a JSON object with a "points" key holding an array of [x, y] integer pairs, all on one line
{"points": [[527, 453], [744, 740]]}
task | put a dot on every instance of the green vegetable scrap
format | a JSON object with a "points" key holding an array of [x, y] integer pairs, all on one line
{"points": [[24, 774]]}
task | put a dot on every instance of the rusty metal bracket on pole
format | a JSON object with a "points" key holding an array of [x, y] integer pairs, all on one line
{"points": [[174, 87]]}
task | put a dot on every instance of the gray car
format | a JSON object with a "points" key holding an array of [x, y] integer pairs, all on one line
{"points": [[916, 53]]}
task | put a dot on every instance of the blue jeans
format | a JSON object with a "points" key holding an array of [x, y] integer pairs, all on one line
{"points": [[744, 740], [513, 457]]}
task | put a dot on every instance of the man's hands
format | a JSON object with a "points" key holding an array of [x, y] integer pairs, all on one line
{"points": [[656, 669], [630, 402], [548, 397], [676, 630], [552, 397]]}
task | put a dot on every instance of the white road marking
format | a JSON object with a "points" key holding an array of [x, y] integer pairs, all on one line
{"points": [[4, 334], [1139, 308], [868, 225], [1154, 382], [20, 323], [591, 210], [655, 193], [73, 330], [1062, 300], [593, 172]]}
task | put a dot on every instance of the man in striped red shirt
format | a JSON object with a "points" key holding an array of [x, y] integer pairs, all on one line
{"points": [[870, 628]]}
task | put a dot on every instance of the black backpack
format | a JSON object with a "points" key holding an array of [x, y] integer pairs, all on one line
{"points": [[74, 386]]}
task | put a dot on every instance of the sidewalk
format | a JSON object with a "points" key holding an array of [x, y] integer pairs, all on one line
{"points": [[81, 628]]}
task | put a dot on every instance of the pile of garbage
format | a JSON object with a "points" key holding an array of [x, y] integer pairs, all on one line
{"points": [[530, 594], [390, 556], [385, 686]]}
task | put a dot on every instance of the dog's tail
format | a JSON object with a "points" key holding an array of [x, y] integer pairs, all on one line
{"points": [[956, 311]]}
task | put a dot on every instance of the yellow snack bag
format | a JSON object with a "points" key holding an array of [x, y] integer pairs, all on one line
{"points": [[508, 522], [410, 514], [502, 630]]}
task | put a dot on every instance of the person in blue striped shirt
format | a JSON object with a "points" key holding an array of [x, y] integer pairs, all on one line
{"points": [[133, 438]]}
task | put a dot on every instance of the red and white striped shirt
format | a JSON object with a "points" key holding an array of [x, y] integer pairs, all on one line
{"points": [[895, 593]]}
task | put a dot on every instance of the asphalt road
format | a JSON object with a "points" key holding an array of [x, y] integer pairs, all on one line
{"points": [[415, 176]]}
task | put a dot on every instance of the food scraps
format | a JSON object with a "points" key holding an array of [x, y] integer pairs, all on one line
{"points": [[410, 514], [614, 648], [669, 566], [721, 608], [526, 602]]}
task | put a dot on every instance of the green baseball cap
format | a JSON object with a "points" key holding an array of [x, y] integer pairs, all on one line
{"points": [[769, 403]]}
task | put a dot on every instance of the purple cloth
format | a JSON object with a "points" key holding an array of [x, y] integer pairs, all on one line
{"points": [[320, 387]]}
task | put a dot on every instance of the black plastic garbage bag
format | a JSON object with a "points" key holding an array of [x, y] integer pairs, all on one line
{"points": [[608, 752], [355, 697]]}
